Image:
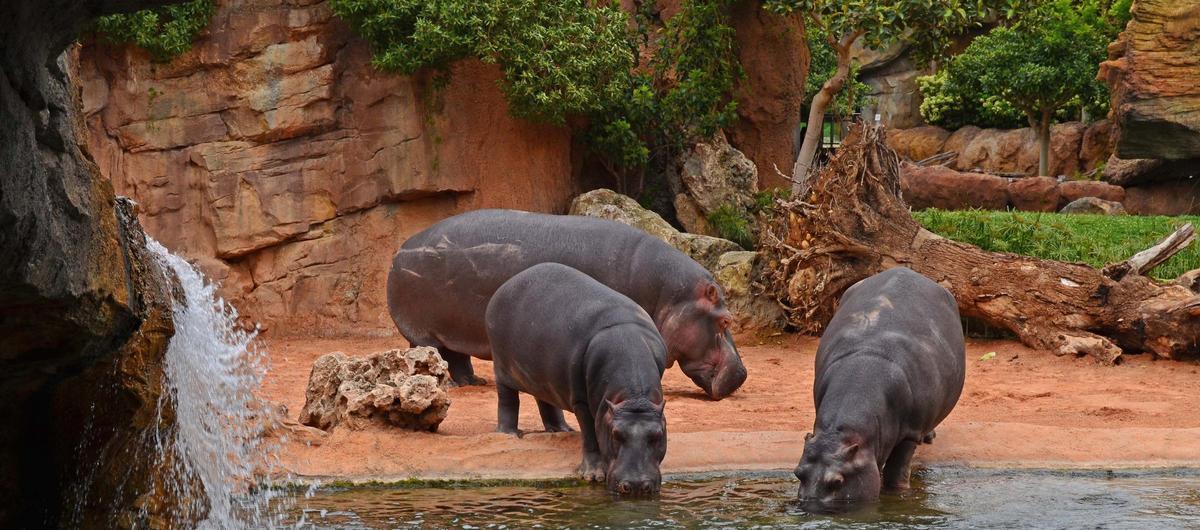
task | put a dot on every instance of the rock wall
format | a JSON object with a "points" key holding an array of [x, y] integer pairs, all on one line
{"points": [[275, 156], [1074, 147], [1154, 74], [84, 316]]}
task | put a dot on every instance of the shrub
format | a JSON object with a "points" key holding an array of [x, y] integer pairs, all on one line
{"points": [[731, 224], [165, 32]]}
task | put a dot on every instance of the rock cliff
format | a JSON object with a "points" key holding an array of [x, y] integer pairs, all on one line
{"points": [[275, 156], [84, 316], [1154, 74], [289, 169]]}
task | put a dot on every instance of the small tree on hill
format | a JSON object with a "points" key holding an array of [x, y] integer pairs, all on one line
{"points": [[929, 24], [1044, 62]]}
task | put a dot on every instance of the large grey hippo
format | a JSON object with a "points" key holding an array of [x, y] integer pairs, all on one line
{"points": [[890, 368], [443, 277], [579, 346]]}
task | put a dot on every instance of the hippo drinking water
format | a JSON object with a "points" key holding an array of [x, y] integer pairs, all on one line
{"points": [[577, 345], [890, 367], [442, 278]]}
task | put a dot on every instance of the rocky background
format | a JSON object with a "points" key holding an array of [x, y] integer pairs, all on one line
{"points": [[275, 156]]}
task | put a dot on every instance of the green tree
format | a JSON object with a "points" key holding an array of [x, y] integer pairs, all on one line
{"points": [[928, 24], [165, 32], [1044, 62]]}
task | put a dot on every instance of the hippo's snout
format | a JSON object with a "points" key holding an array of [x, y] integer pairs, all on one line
{"points": [[728, 379]]}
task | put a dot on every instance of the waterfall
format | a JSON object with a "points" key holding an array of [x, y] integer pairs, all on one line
{"points": [[213, 372]]}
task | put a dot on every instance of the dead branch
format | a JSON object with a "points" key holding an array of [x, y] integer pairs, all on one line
{"points": [[1145, 261]]}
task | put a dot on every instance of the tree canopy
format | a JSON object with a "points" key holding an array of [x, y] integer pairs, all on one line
{"points": [[165, 31]]}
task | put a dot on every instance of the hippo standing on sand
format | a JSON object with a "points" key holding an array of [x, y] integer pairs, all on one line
{"points": [[577, 345], [890, 367], [443, 277]]}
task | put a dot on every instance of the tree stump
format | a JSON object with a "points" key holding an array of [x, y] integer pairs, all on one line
{"points": [[853, 223]]}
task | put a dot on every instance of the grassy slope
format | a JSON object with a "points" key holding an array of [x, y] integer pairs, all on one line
{"points": [[1093, 239]]}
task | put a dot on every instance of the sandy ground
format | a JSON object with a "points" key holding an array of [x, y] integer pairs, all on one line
{"points": [[1022, 408]]}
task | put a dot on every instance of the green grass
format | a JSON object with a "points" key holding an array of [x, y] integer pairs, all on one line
{"points": [[1096, 240]]}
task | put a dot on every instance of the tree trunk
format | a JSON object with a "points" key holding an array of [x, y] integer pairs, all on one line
{"points": [[854, 223], [816, 115], [1043, 132]]}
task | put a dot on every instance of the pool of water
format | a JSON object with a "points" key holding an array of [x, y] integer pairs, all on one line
{"points": [[940, 498]]}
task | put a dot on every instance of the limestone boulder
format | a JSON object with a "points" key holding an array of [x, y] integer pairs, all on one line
{"points": [[395, 388], [1094, 206], [736, 272], [714, 174], [608, 204], [947, 189]]}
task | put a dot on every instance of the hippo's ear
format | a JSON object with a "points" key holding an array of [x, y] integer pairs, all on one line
{"points": [[848, 451], [612, 407], [711, 293], [807, 436]]}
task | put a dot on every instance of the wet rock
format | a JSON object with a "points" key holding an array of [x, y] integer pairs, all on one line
{"points": [[395, 388], [1095, 206], [736, 272], [608, 204]]}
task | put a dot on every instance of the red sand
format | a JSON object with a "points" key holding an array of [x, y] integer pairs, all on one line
{"points": [[1022, 408]]}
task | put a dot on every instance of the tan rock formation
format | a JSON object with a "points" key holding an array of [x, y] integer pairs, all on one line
{"points": [[1153, 72], [395, 388], [1074, 147], [280, 160]]}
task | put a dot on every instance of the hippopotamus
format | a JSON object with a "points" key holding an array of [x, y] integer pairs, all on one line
{"points": [[442, 278], [890, 367], [576, 345]]}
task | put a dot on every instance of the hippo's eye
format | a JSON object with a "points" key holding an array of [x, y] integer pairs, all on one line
{"points": [[836, 483]]}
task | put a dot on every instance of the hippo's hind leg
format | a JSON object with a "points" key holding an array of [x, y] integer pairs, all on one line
{"points": [[508, 406], [552, 418], [896, 471], [461, 371]]}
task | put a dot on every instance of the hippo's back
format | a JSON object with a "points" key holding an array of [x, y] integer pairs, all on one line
{"points": [[905, 323], [443, 277]]}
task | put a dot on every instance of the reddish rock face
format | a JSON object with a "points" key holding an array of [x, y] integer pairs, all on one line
{"points": [[1180, 197], [290, 169], [1154, 74], [947, 189], [918, 143], [1074, 147], [774, 55]]}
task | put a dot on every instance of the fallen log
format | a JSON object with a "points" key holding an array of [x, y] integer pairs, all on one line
{"points": [[853, 223]]}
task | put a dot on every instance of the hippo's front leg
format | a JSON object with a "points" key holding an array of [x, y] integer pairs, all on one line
{"points": [[592, 467], [896, 471], [461, 371]]}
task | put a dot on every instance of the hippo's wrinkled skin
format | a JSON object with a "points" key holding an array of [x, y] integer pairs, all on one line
{"points": [[577, 345], [442, 278], [890, 367]]}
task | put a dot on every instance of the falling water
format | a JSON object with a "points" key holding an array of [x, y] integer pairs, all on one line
{"points": [[213, 370]]}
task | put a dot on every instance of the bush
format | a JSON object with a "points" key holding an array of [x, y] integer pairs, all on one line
{"points": [[1096, 240], [731, 224], [165, 32]]}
